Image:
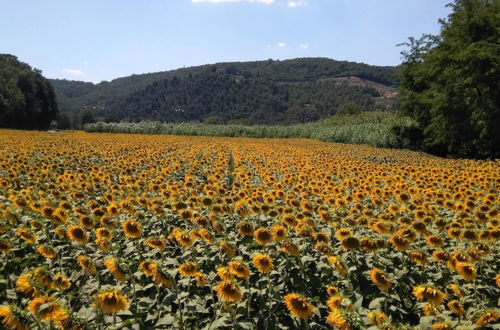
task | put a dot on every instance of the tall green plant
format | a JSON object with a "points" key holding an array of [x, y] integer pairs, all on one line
{"points": [[450, 84]]}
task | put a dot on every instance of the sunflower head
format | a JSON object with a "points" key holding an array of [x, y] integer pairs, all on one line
{"points": [[132, 229], [379, 278], [298, 306], [239, 269], [188, 269], [111, 302], [263, 262], [466, 270], [245, 229], [228, 291], [262, 236], [77, 234], [156, 243]]}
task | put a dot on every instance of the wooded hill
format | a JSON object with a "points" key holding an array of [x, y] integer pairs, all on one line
{"points": [[262, 92]]}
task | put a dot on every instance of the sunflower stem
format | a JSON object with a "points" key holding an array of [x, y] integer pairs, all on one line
{"points": [[305, 324], [270, 300]]}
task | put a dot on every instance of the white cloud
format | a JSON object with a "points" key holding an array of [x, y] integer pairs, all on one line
{"points": [[297, 3], [304, 46], [220, 1], [73, 72], [281, 44]]}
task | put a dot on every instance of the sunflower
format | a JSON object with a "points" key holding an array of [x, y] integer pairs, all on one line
{"points": [[279, 232], [156, 243], [188, 269], [132, 229], [334, 261], [262, 236], [227, 248], [78, 234], [338, 320], [289, 248], [24, 285], [245, 229], [378, 318], [201, 279], [112, 209], [298, 306], [61, 282], [488, 317], [378, 277], [431, 295], [86, 222], [343, 233], [441, 326], [332, 290], [430, 310], [263, 262], [456, 290], [224, 274], [456, 307], [5, 246], [111, 302], [418, 257], [162, 280], [26, 235], [103, 244], [115, 269], [399, 242], [149, 268], [441, 256], [434, 241], [59, 216], [46, 251], [184, 239], [467, 271], [239, 269], [334, 302], [86, 264], [228, 291], [349, 243], [10, 320], [497, 279], [103, 233], [51, 310]]}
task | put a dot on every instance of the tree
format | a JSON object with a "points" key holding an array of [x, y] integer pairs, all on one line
{"points": [[88, 117], [27, 100], [350, 108], [450, 83]]}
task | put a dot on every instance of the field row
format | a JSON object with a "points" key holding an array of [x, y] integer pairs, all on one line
{"points": [[138, 231]]}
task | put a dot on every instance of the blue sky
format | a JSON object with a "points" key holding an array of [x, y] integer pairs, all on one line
{"points": [[95, 40]]}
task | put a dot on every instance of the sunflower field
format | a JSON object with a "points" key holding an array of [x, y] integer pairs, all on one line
{"points": [[176, 232]]}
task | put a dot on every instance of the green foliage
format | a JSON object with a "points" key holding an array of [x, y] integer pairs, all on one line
{"points": [[450, 84], [27, 99], [265, 92], [350, 108], [372, 128]]}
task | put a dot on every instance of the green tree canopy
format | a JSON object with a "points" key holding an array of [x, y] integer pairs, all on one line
{"points": [[27, 100], [451, 83]]}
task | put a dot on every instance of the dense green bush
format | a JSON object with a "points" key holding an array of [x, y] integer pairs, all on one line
{"points": [[450, 84]]}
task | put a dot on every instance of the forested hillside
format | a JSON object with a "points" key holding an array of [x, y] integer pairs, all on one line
{"points": [[27, 100], [263, 92]]}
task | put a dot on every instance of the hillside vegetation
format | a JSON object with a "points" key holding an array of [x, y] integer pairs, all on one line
{"points": [[27, 100], [372, 128], [262, 92]]}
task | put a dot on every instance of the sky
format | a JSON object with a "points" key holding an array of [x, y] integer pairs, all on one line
{"points": [[96, 40]]}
